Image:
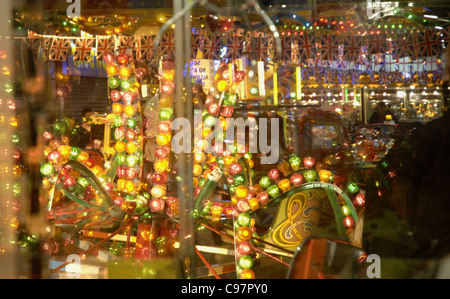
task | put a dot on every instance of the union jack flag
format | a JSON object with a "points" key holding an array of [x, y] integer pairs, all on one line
{"points": [[167, 44], [405, 46], [59, 49], [248, 43], [104, 45], [428, 43], [126, 42], [330, 76], [397, 77], [45, 45], [352, 48], [34, 43], [196, 40], [262, 48], [83, 47], [234, 46], [145, 48], [329, 45], [377, 43], [306, 43], [285, 49], [213, 46]]}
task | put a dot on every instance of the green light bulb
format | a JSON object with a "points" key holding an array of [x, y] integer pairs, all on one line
{"points": [[310, 175]]}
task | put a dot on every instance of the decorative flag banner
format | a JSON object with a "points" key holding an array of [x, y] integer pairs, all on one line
{"points": [[329, 47], [262, 48], [145, 48], [126, 42], [168, 44], [341, 63], [285, 54], [409, 54], [59, 49], [104, 45], [306, 43], [404, 46], [364, 56], [377, 43], [234, 46], [352, 47], [428, 44], [83, 48], [197, 41], [384, 78]]}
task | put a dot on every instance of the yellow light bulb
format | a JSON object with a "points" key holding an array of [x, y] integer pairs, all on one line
{"points": [[120, 146], [129, 186], [199, 157], [222, 85], [82, 157], [197, 170], [117, 108], [129, 110], [241, 191], [284, 184], [160, 166]]}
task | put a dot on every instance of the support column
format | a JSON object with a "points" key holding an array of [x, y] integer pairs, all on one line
{"points": [[184, 109]]}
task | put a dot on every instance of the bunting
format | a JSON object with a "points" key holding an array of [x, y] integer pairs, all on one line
{"points": [[413, 56], [83, 48], [145, 48], [329, 46], [104, 45], [428, 44], [352, 47], [306, 43], [168, 44], [59, 49]]}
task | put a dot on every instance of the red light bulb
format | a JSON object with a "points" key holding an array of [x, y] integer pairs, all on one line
{"points": [[309, 162]]}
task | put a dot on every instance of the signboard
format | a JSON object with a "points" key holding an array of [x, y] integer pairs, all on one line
{"points": [[202, 71]]}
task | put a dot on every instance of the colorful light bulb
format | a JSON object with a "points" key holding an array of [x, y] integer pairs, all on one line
{"points": [[296, 179], [325, 175], [245, 262], [263, 197], [295, 162], [309, 162], [273, 191], [310, 175], [274, 174], [265, 182], [241, 191], [360, 200], [352, 188], [284, 184], [47, 169], [244, 219]]}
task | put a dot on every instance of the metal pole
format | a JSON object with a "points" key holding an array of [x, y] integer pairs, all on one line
{"points": [[9, 217], [183, 109]]}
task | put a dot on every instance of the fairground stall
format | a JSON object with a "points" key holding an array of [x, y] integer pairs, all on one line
{"points": [[206, 139]]}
